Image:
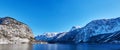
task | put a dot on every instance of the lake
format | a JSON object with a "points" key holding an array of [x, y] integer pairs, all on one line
{"points": [[60, 47]]}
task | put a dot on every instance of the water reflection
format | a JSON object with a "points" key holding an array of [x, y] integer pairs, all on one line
{"points": [[60, 47], [15, 47], [76, 47]]}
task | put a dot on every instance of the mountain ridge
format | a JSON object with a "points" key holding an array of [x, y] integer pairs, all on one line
{"points": [[93, 28]]}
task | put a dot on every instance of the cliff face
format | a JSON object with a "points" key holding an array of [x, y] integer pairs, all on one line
{"points": [[13, 31]]}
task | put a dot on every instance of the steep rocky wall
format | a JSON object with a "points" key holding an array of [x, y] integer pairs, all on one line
{"points": [[13, 31]]}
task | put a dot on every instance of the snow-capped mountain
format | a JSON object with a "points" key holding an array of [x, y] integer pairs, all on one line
{"points": [[102, 28], [97, 27], [106, 38], [46, 36], [62, 37]]}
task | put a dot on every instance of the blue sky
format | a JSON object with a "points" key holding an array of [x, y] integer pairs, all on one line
{"points": [[58, 15]]}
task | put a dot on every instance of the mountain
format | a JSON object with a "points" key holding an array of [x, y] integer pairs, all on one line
{"points": [[97, 27], [75, 28], [93, 31], [63, 37], [106, 38], [48, 36], [13, 31]]}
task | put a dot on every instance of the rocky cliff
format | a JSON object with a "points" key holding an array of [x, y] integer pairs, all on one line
{"points": [[13, 31]]}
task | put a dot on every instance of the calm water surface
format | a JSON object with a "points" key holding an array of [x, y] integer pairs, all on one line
{"points": [[60, 47]]}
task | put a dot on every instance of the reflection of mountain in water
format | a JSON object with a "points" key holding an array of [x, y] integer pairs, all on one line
{"points": [[15, 47]]}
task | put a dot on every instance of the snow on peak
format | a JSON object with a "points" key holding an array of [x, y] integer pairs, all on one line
{"points": [[78, 34], [97, 27], [50, 34], [75, 27], [47, 36]]}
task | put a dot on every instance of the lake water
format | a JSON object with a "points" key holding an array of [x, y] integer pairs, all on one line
{"points": [[60, 47]]}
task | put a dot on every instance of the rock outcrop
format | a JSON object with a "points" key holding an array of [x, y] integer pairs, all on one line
{"points": [[13, 31]]}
